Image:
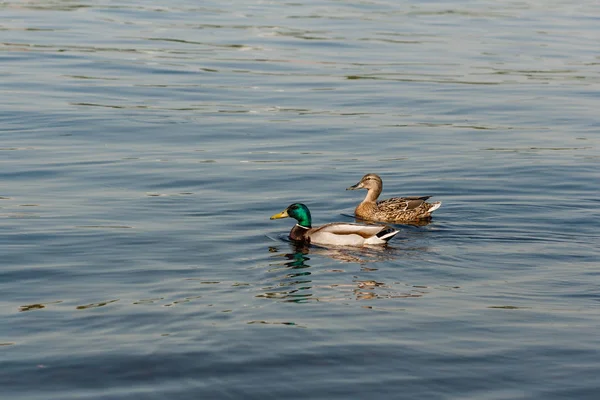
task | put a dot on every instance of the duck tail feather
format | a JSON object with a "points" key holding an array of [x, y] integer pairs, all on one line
{"points": [[387, 233], [434, 206]]}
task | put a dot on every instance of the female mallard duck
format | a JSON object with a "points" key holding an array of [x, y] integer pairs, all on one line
{"points": [[395, 209], [337, 233]]}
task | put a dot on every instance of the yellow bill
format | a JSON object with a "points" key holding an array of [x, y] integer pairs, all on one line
{"points": [[282, 214]]}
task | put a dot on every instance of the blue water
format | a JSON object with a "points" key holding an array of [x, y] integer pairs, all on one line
{"points": [[144, 145]]}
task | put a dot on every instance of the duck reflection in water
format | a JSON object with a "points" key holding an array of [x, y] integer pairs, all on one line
{"points": [[294, 285], [358, 255], [417, 222], [295, 282]]}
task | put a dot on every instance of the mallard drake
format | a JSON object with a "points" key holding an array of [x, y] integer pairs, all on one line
{"points": [[336, 233], [395, 209]]}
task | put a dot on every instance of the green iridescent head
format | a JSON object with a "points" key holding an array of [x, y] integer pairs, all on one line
{"points": [[299, 212]]}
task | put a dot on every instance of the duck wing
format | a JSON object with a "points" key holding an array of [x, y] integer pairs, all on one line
{"points": [[395, 204], [342, 228], [349, 234]]}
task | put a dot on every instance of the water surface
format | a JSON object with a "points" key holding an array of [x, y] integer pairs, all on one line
{"points": [[144, 146]]}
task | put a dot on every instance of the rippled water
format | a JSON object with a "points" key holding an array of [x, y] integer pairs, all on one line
{"points": [[144, 145]]}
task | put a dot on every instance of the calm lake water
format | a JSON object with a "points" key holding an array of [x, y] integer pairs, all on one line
{"points": [[144, 145]]}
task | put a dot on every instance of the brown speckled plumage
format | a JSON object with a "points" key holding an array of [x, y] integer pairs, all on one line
{"points": [[395, 209]]}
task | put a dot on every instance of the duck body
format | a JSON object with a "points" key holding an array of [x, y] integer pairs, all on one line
{"points": [[395, 209], [336, 233]]}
